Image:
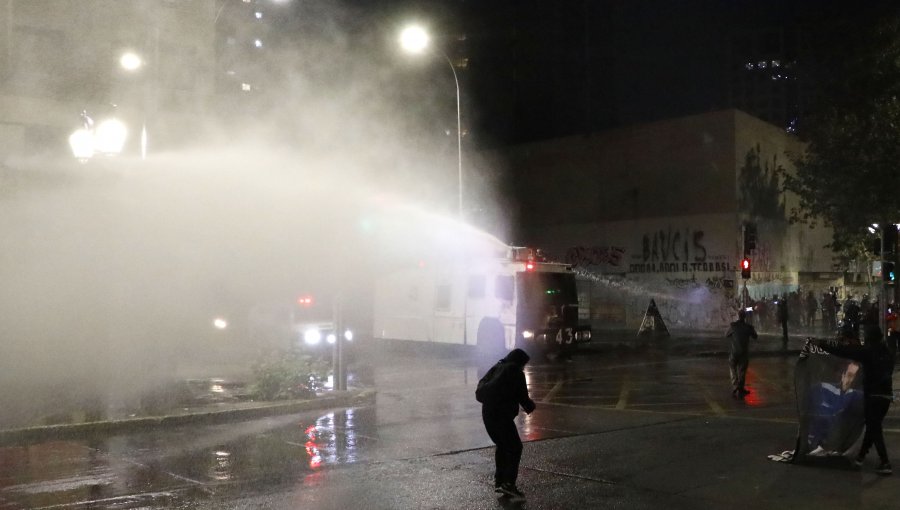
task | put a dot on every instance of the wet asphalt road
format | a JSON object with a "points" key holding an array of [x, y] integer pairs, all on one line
{"points": [[628, 430]]}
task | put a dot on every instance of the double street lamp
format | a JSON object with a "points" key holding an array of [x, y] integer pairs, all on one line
{"points": [[415, 40], [108, 137]]}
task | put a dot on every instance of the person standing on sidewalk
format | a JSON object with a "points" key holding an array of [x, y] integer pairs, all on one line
{"points": [[851, 314], [781, 313], [501, 391], [878, 368], [812, 307], [740, 333]]}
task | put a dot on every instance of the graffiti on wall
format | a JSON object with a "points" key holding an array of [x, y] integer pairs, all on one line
{"points": [[763, 257], [688, 271], [760, 190], [678, 251], [674, 246], [580, 256], [694, 302], [684, 267]]}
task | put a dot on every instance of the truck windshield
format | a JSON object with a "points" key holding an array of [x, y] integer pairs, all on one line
{"points": [[539, 289]]}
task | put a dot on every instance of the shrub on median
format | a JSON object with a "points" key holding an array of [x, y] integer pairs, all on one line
{"points": [[286, 375]]}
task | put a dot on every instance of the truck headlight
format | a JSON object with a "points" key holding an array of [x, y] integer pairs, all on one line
{"points": [[312, 336], [348, 335], [331, 338], [527, 334]]}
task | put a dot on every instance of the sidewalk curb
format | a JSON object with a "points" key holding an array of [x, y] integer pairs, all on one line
{"points": [[76, 430]]}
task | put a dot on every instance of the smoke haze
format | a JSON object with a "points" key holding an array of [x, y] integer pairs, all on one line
{"points": [[114, 270]]}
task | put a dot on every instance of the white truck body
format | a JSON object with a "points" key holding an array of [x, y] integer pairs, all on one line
{"points": [[447, 301]]}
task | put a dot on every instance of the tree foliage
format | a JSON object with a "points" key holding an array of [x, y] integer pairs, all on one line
{"points": [[848, 176]]}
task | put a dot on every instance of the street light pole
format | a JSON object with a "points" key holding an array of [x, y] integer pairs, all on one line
{"points": [[459, 172], [414, 39]]}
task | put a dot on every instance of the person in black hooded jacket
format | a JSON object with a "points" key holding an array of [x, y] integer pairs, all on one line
{"points": [[499, 413], [740, 333], [878, 367]]}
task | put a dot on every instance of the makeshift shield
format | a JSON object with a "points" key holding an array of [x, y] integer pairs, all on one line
{"points": [[830, 405]]}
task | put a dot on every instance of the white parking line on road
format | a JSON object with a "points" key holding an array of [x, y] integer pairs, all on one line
{"points": [[126, 499], [623, 394], [553, 391]]}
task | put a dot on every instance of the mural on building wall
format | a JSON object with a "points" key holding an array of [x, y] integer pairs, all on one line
{"points": [[759, 187], [687, 270], [694, 302]]}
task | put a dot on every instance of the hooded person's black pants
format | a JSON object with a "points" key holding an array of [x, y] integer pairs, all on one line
{"points": [[876, 409], [738, 368], [502, 431]]}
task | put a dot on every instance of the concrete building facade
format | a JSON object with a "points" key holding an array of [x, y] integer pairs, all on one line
{"points": [[658, 210]]}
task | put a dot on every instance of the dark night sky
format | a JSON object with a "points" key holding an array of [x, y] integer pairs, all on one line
{"points": [[539, 69]]}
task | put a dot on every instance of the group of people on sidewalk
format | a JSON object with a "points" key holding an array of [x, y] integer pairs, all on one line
{"points": [[795, 310], [873, 354]]}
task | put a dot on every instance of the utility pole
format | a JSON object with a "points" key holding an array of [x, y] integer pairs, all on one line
{"points": [[744, 251]]}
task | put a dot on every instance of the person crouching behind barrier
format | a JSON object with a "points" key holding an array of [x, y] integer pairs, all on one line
{"points": [[878, 368]]}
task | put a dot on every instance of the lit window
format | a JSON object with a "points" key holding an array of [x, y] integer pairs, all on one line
{"points": [[257, 43], [247, 1], [230, 72], [246, 87], [258, 15]]}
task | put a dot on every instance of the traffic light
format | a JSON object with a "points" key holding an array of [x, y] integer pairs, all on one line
{"points": [[890, 240], [749, 237], [745, 268], [888, 272], [889, 234]]}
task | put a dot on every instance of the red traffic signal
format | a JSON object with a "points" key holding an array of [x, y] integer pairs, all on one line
{"points": [[745, 268]]}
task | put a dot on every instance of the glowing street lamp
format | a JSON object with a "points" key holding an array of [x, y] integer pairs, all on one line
{"points": [[414, 39], [131, 61], [82, 143], [109, 137]]}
